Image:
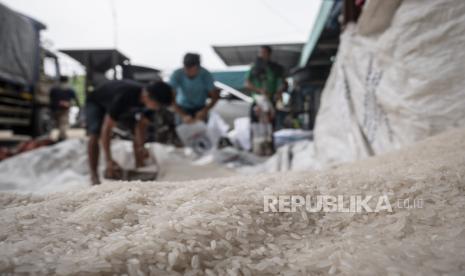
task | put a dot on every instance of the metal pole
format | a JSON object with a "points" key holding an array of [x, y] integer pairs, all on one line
{"points": [[115, 38]]}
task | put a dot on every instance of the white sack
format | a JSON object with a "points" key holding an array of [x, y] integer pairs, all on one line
{"points": [[195, 136], [216, 128], [396, 87], [240, 135]]}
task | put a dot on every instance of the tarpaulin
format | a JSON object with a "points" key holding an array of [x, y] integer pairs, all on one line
{"points": [[19, 44]]}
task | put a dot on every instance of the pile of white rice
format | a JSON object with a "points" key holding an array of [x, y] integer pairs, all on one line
{"points": [[218, 227]]}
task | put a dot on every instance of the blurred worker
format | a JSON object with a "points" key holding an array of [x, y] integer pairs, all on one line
{"points": [[123, 102], [266, 77], [267, 82], [193, 85], [60, 103]]}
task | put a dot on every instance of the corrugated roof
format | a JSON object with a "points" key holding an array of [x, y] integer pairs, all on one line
{"points": [[285, 54], [320, 22], [101, 60]]}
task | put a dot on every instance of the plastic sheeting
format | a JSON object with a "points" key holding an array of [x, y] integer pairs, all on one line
{"points": [[288, 136], [64, 166], [394, 86]]}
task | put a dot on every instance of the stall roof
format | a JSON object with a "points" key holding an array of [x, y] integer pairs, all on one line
{"points": [[141, 73], [318, 28], [321, 48], [139, 68], [100, 60], [285, 54]]}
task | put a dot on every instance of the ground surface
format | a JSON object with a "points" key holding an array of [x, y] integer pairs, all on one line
{"points": [[217, 226]]}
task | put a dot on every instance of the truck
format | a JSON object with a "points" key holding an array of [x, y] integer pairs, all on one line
{"points": [[24, 83]]}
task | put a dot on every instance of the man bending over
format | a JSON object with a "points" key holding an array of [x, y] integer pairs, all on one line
{"points": [[123, 102]]}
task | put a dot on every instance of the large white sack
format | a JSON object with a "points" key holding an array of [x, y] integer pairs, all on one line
{"points": [[396, 86]]}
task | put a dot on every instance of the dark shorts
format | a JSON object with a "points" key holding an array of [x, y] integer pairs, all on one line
{"points": [[94, 117], [192, 111]]}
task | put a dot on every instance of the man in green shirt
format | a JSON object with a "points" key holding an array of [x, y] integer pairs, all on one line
{"points": [[266, 77], [267, 82]]}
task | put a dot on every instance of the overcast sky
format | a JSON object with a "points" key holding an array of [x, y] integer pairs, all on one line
{"points": [[157, 33]]}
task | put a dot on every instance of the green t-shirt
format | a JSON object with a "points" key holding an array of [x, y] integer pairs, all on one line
{"points": [[270, 77]]}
